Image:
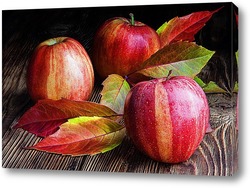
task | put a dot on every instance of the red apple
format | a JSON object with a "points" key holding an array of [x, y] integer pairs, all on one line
{"points": [[121, 45], [167, 118], [60, 68]]}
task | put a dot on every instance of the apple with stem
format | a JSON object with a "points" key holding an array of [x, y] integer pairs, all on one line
{"points": [[121, 45], [167, 118]]}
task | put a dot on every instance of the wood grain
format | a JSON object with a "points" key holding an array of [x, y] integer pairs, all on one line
{"points": [[217, 155]]}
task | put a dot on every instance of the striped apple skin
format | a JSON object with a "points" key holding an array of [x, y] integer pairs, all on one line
{"points": [[60, 68], [121, 48], [167, 118]]}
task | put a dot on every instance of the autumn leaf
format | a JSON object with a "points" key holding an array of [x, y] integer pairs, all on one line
{"points": [[47, 115], [83, 136], [183, 28], [212, 87], [182, 58], [114, 92]]}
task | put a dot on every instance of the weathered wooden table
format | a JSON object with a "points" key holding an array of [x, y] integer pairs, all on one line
{"points": [[216, 155]]}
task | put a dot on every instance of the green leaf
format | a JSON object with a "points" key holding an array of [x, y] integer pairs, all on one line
{"points": [[182, 58], [211, 87], [236, 87], [83, 136], [114, 92], [237, 57]]}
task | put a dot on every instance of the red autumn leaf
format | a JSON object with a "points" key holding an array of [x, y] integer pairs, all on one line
{"points": [[47, 115], [183, 28], [83, 136]]}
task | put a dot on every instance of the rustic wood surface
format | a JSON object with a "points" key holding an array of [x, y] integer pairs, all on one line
{"points": [[216, 155]]}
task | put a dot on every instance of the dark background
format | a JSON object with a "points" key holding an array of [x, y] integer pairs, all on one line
{"points": [[82, 23]]}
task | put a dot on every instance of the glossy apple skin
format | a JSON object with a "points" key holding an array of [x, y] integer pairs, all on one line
{"points": [[120, 47], [60, 68], [167, 118]]}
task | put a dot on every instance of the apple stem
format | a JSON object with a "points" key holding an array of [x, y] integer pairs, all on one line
{"points": [[132, 21], [169, 73]]}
